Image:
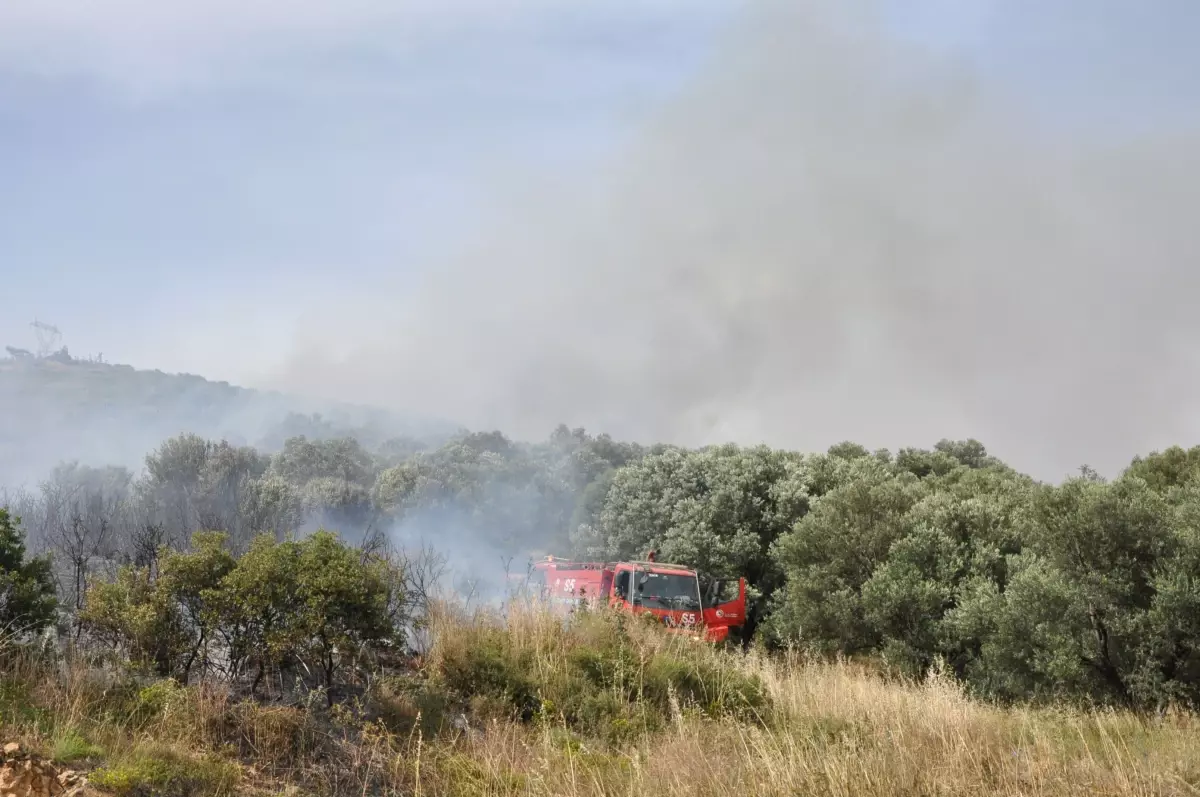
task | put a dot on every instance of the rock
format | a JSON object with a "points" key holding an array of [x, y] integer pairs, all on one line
{"points": [[73, 783], [26, 775]]}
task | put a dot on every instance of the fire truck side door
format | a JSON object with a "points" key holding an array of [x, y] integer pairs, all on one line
{"points": [[730, 611], [621, 585], [708, 589], [606, 584]]}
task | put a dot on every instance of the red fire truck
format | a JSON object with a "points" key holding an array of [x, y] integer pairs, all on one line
{"points": [[670, 592]]}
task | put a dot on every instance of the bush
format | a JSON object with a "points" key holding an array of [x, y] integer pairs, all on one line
{"points": [[27, 599], [166, 774], [488, 665], [313, 605], [601, 674]]}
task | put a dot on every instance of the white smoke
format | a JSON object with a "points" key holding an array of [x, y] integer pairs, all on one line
{"points": [[831, 234]]}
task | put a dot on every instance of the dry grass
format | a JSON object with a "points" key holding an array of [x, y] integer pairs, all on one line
{"points": [[823, 729]]}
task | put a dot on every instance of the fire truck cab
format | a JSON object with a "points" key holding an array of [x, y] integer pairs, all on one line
{"points": [[675, 594]]}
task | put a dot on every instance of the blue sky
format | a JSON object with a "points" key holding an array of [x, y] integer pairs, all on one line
{"points": [[178, 180]]}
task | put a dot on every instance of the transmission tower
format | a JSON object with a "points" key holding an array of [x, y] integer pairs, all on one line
{"points": [[48, 338]]}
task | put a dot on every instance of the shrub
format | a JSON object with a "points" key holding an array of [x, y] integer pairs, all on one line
{"points": [[166, 774], [27, 600], [316, 603], [600, 674]]}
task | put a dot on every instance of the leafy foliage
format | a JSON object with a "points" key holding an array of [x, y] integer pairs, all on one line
{"points": [[1081, 590], [27, 600], [167, 774], [314, 603]]}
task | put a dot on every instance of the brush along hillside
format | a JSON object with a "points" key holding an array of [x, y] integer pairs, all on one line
{"points": [[926, 622]]}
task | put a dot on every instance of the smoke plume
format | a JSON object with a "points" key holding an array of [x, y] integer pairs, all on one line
{"points": [[829, 234]]}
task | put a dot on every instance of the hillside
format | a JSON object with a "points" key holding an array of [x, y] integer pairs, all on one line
{"points": [[60, 409]]}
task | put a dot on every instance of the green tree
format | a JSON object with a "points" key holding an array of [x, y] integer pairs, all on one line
{"points": [[1161, 471], [270, 505], [225, 480], [1169, 669], [189, 583], [833, 552], [171, 491], [337, 502], [1032, 635], [848, 450], [1110, 541], [344, 604], [316, 602], [907, 594], [27, 599], [970, 453], [131, 614], [303, 460], [1081, 612], [166, 622], [258, 603]]}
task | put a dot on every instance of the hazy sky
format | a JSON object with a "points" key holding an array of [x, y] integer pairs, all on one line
{"points": [[446, 204], [183, 182]]}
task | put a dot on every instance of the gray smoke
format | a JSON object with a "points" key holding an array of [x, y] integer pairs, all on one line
{"points": [[472, 561], [829, 235]]}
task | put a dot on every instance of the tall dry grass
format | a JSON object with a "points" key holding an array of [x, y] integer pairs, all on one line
{"points": [[821, 728]]}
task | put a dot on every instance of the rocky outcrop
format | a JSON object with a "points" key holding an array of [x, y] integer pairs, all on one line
{"points": [[23, 774]]}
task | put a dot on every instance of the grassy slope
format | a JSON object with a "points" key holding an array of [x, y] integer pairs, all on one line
{"points": [[818, 728]]}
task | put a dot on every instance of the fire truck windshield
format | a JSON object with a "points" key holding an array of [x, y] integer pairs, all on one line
{"points": [[668, 591]]}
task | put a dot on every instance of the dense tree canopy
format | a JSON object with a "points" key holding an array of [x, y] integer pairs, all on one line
{"points": [[1086, 589]]}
